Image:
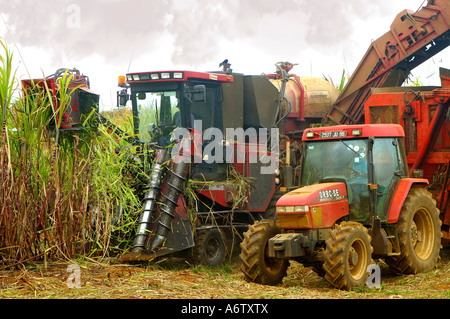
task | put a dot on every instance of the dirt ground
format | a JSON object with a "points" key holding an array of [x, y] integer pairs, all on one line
{"points": [[174, 279]]}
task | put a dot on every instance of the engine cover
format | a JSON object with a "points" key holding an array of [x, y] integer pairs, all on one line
{"points": [[313, 207]]}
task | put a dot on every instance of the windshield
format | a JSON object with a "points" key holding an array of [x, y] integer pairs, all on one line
{"points": [[158, 110], [335, 159], [158, 114]]}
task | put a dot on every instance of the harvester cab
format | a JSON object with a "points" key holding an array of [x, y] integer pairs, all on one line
{"points": [[355, 202], [167, 100]]}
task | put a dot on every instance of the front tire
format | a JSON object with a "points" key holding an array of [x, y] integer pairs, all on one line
{"points": [[347, 256], [419, 234], [257, 266]]}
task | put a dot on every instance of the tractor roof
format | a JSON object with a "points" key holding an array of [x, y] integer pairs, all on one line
{"points": [[353, 131]]}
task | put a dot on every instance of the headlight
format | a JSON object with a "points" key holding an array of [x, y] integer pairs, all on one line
{"points": [[135, 77], [310, 134], [165, 76], [281, 209], [155, 76], [178, 75], [301, 209], [292, 209]]}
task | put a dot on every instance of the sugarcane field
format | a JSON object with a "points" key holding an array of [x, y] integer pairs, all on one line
{"points": [[225, 154]]}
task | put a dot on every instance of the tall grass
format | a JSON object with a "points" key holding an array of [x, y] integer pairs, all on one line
{"points": [[342, 82], [62, 193]]}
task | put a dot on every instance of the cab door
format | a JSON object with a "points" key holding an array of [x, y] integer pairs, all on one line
{"points": [[389, 169]]}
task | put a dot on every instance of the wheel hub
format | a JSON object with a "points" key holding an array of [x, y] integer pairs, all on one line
{"points": [[414, 234], [212, 248], [353, 257]]}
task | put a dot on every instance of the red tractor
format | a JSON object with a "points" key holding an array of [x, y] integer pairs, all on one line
{"points": [[356, 202]]}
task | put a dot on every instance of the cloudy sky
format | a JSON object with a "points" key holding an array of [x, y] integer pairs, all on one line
{"points": [[108, 38]]}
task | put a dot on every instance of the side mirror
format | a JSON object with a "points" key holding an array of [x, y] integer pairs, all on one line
{"points": [[122, 97], [197, 93]]}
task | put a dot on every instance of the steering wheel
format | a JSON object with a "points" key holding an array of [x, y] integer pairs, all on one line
{"points": [[352, 173]]}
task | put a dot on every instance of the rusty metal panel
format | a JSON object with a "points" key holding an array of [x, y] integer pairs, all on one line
{"points": [[412, 39]]}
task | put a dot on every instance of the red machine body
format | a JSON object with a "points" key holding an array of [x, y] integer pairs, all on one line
{"points": [[313, 207], [414, 37], [423, 112], [82, 99]]}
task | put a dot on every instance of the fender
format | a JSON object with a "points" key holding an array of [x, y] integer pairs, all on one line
{"points": [[399, 198]]}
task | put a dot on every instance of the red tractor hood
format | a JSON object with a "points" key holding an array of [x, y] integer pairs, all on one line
{"points": [[315, 206], [314, 194]]}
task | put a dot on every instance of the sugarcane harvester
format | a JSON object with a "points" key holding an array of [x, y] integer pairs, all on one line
{"points": [[220, 130]]}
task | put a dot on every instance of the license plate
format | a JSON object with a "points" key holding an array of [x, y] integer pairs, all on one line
{"points": [[333, 134], [328, 194]]}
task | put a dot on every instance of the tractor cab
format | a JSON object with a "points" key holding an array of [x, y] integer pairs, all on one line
{"points": [[356, 166]]}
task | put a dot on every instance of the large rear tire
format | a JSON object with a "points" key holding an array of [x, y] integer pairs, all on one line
{"points": [[257, 266], [419, 234], [347, 256]]}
